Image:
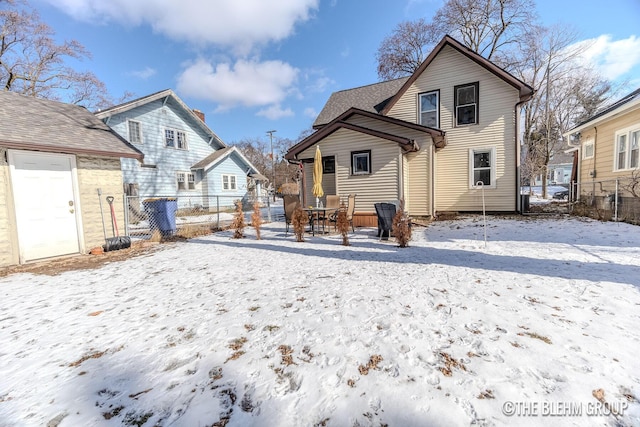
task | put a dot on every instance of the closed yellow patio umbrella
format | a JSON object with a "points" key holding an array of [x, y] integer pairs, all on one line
{"points": [[317, 175]]}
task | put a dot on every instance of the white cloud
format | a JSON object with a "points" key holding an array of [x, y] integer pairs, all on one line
{"points": [[143, 74], [239, 24], [246, 83], [612, 58], [310, 112], [274, 112]]}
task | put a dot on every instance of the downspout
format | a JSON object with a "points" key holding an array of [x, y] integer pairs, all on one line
{"points": [[593, 174], [518, 152], [432, 184]]}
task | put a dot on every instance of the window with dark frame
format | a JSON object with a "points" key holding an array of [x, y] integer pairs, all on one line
{"points": [[466, 104], [429, 104], [361, 162], [329, 164]]}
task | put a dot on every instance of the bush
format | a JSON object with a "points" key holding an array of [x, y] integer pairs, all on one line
{"points": [[342, 224], [256, 218], [401, 228], [299, 220]]}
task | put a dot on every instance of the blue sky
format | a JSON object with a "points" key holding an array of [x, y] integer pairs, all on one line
{"points": [[255, 65]]}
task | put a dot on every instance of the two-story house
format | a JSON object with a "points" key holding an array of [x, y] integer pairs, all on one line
{"points": [[437, 139], [183, 157]]}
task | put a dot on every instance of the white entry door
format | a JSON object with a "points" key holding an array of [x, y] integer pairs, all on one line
{"points": [[45, 204]]}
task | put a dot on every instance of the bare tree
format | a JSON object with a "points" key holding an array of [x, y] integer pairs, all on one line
{"points": [[403, 51], [493, 28], [566, 92], [32, 63]]}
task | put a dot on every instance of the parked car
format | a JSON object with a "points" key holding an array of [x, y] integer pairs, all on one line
{"points": [[561, 195]]}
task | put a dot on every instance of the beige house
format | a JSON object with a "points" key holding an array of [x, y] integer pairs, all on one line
{"points": [[435, 139], [608, 146], [53, 159]]}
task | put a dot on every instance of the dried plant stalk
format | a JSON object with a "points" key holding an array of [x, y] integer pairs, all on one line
{"points": [[238, 223], [401, 227], [342, 224], [256, 218]]}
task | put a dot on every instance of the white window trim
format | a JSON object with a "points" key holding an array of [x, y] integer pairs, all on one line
{"points": [[353, 162], [492, 151], [437, 94], [584, 149], [175, 139], [233, 187], [129, 121], [627, 156], [185, 179]]}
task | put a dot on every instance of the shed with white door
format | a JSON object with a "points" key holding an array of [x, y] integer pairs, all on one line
{"points": [[53, 159]]}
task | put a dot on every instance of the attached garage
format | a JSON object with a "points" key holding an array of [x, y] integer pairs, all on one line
{"points": [[53, 159]]}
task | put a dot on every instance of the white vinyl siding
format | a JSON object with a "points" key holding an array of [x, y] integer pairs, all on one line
{"points": [[496, 128]]}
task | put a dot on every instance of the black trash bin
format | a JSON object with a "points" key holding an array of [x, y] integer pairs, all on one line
{"points": [[524, 203], [162, 215]]}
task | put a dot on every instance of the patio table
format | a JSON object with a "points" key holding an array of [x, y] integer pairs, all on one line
{"points": [[315, 217]]}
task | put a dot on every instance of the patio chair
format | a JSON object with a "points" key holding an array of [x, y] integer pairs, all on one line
{"points": [[385, 212], [291, 203], [351, 206]]}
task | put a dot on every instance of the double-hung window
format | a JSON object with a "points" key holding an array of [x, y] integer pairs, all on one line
{"points": [[466, 104], [229, 183], [361, 162], [482, 167], [627, 149], [186, 181], [429, 109], [135, 132], [175, 139]]}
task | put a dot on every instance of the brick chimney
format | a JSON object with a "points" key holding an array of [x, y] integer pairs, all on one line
{"points": [[199, 113]]}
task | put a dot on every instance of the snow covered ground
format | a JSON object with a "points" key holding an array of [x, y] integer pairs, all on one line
{"points": [[540, 327]]}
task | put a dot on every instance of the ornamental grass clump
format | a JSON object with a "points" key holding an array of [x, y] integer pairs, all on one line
{"points": [[342, 224], [238, 223], [401, 227], [256, 218], [299, 220]]}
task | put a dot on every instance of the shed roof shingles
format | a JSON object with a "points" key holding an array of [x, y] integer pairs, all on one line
{"points": [[41, 124]]}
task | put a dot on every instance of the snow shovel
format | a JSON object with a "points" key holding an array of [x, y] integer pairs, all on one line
{"points": [[116, 242]]}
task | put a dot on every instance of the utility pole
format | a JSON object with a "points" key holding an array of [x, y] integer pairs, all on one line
{"points": [[273, 170]]}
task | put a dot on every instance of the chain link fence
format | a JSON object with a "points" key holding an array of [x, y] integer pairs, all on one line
{"points": [[606, 200], [162, 217]]}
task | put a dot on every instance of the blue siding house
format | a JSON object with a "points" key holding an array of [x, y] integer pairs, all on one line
{"points": [[183, 157]]}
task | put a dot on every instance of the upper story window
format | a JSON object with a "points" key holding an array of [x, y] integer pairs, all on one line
{"points": [[361, 162], [466, 104], [186, 181], [229, 183], [482, 167], [135, 131], [627, 149], [175, 139], [430, 109], [587, 150]]}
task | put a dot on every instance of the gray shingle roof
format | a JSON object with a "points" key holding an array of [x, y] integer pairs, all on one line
{"points": [[44, 125], [369, 98]]}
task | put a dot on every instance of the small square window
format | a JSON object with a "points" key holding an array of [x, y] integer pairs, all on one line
{"points": [[361, 162], [329, 164], [135, 132]]}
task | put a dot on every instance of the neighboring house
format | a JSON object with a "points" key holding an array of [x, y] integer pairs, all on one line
{"points": [[427, 139], [53, 159], [183, 156], [559, 169], [608, 148]]}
